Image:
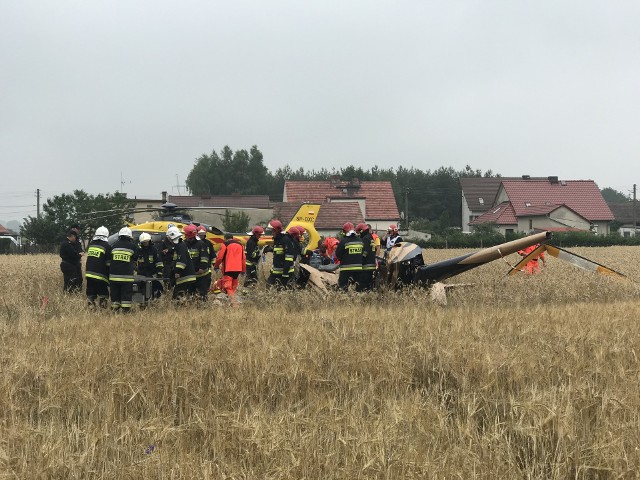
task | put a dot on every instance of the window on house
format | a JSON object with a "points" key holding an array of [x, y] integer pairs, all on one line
{"points": [[530, 224], [509, 231], [481, 200]]}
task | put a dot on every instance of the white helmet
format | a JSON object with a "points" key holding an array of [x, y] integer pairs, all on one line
{"points": [[125, 232], [174, 234], [145, 237], [102, 232]]}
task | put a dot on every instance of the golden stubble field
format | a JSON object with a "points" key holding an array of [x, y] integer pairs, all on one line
{"points": [[527, 377]]}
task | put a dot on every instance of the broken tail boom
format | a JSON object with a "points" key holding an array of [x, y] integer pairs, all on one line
{"points": [[436, 272]]}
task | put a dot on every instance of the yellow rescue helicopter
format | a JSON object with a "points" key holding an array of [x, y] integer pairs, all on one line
{"points": [[171, 215]]}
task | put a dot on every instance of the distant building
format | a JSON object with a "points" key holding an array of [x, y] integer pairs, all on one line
{"points": [[479, 194], [330, 218], [210, 209], [7, 239], [526, 204], [625, 213], [376, 203]]}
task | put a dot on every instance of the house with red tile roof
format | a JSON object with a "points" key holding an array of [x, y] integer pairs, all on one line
{"points": [[330, 218], [478, 196], [627, 214], [526, 204], [375, 199]]}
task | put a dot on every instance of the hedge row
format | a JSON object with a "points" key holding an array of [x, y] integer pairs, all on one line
{"points": [[564, 239]]}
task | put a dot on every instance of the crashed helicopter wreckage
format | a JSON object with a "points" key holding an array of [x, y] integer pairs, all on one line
{"points": [[405, 265]]}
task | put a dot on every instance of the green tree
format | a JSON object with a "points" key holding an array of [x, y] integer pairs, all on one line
{"points": [[88, 211], [229, 172], [613, 196], [235, 222]]}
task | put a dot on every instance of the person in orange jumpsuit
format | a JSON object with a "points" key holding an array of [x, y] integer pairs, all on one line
{"points": [[330, 244], [532, 266], [233, 261]]}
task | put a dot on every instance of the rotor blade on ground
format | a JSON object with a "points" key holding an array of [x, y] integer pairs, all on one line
{"points": [[448, 268], [581, 262]]}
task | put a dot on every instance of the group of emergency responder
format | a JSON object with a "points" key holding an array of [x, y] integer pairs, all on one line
{"points": [[357, 252], [186, 265]]}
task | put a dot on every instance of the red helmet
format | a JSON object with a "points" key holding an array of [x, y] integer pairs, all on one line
{"points": [[362, 227], [190, 231], [257, 230], [347, 227], [392, 228], [201, 229], [301, 230], [276, 225], [294, 232]]}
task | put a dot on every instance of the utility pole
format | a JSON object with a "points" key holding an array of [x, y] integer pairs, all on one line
{"points": [[38, 202], [406, 206], [177, 185], [122, 182], [634, 211]]}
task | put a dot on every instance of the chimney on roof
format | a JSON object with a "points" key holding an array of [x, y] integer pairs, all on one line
{"points": [[553, 180], [335, 181], [164, 197], [526, 177]]}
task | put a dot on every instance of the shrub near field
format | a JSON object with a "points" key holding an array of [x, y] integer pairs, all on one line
{"points": [[526, 377]]}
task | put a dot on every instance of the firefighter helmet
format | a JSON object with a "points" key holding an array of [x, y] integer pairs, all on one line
{"points": [[102, 232], [144, 237], [201, 229], [347, 227], [392, 228], [294, 232], [173, 234], [125, 232], [257, 230], [190, 231], [276, 225], [362, 227]]}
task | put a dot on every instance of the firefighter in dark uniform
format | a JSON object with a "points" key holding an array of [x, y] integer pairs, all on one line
{"points": [[200, 260], [211, 252], [121, 270], [150, 263], [253, 256], [166, 248], [71, 264], [349, 252], [97, 268], [283, 254], [368, 257], [183, 272]]}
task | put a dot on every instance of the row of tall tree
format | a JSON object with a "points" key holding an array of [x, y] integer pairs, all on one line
{"points": [[432, 196]]}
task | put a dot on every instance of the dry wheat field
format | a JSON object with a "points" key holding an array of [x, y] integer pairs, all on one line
{"points": [[526, 378]]}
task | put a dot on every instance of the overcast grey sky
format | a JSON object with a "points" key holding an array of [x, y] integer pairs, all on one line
{"points": [[92, 88]]}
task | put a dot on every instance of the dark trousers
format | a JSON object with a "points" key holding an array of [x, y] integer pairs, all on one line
{"points": [[72, 275], [202, 286], [251, 275], [347, 277], [97, 289], [366, 281], [121, 295], [183, 290], [277, 280]]}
